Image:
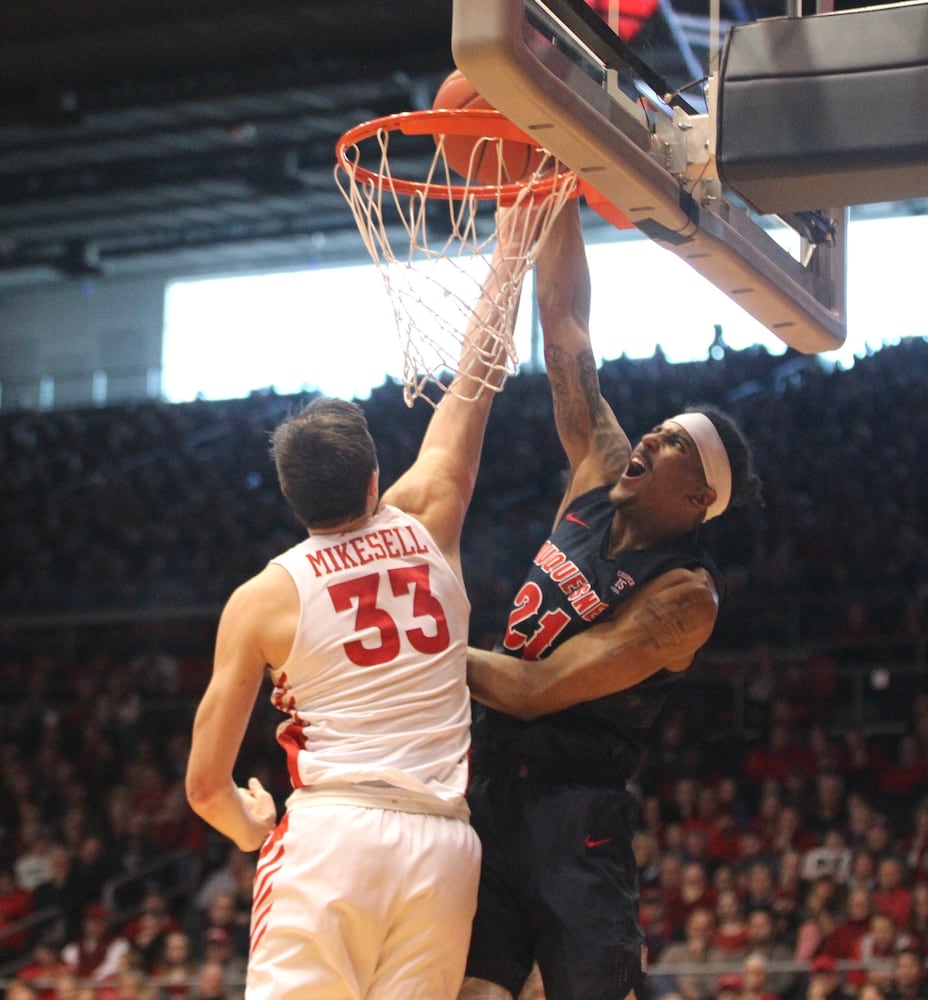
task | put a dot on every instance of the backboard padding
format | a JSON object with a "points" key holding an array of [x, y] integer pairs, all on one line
{"points": [[822, 109]]}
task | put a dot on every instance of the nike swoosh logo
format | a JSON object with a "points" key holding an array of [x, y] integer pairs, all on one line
{"points": [[576, 520], [591, 842]]}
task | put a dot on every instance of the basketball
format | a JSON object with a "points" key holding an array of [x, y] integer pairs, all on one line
{"points": [[482, 161]]}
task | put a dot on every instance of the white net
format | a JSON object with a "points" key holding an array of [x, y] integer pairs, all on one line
{"points": [[433, 240]]}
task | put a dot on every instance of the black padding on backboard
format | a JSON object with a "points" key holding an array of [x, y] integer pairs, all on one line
{"points": [[826, 110]]}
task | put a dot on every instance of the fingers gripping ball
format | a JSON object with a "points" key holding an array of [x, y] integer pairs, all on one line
{"points": [[482, 161]]}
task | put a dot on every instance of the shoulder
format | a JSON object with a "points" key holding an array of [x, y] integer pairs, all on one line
{"points": [[601, 465], [434, 502], [596, 497], [272, 579], [391, 518], [419, 493], [260, 617], [270, 590], [390, 513], [695, 584]]}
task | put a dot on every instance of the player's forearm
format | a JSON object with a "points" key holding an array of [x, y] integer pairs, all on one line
{"points": [[579, 670], [222, 808], [562, 280], [660, 627], [483, 355], [458, 426], [563, 293], [499, 681]]}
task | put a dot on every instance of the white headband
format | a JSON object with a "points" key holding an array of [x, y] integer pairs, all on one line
{"points": [[712, 454]]}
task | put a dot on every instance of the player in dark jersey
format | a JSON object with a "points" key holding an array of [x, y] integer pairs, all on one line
{"points": [[615, 605]]}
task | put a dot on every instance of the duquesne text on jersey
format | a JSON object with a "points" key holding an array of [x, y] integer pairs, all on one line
{"points": [[583, 599], [388, 543]]}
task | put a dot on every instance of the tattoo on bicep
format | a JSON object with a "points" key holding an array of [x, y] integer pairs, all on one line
{"points": [[614, 449], [589, 384], [590, 405], [570, 408], [608, 440], [664, 623], [557, 375]]}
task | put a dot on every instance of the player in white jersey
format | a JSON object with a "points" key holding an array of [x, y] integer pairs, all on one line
{"points": [[390, 728], [366, 888]]}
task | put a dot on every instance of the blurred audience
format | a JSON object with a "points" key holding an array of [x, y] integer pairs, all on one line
{"points": [[784, 822], [909, 981], [696, 955], [98, 951]]}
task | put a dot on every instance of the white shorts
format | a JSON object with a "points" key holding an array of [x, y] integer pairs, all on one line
{"points": [[353, 902]]}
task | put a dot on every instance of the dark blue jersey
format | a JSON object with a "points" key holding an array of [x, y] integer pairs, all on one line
{"points": [[573, 583]]}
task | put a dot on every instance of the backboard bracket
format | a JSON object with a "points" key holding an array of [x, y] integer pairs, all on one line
{"points": [[614, 144]]}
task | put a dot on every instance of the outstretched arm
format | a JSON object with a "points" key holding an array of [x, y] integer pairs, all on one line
{"points": [[596, 446], [660, 627], [438, 487]]}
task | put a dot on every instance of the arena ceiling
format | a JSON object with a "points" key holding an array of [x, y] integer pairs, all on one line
{"points": [[179, 137]]}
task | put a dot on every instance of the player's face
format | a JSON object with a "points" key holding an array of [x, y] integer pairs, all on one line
{"points": [[663, 471]]}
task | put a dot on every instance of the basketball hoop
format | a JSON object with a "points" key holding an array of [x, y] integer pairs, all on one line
{"points": [[432, 238]]}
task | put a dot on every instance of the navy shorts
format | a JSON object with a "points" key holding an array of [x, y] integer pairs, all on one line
{"points": [[558, 885]]}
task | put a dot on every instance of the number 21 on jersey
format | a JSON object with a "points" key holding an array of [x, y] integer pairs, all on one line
{"points": [[548, 626]]}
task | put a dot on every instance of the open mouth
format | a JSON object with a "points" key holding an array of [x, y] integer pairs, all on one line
{"points": [[636, 468]]}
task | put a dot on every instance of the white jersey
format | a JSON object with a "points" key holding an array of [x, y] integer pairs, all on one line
{"points": [[375, 683]]}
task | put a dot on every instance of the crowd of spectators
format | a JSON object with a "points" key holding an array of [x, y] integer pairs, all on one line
{"points": [[783, 849]]}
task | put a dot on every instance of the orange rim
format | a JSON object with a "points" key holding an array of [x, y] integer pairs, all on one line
{"points": [[479, 123]]}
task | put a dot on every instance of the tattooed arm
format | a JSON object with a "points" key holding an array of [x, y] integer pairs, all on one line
{"points": [[661, 627], [596, 446]]}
